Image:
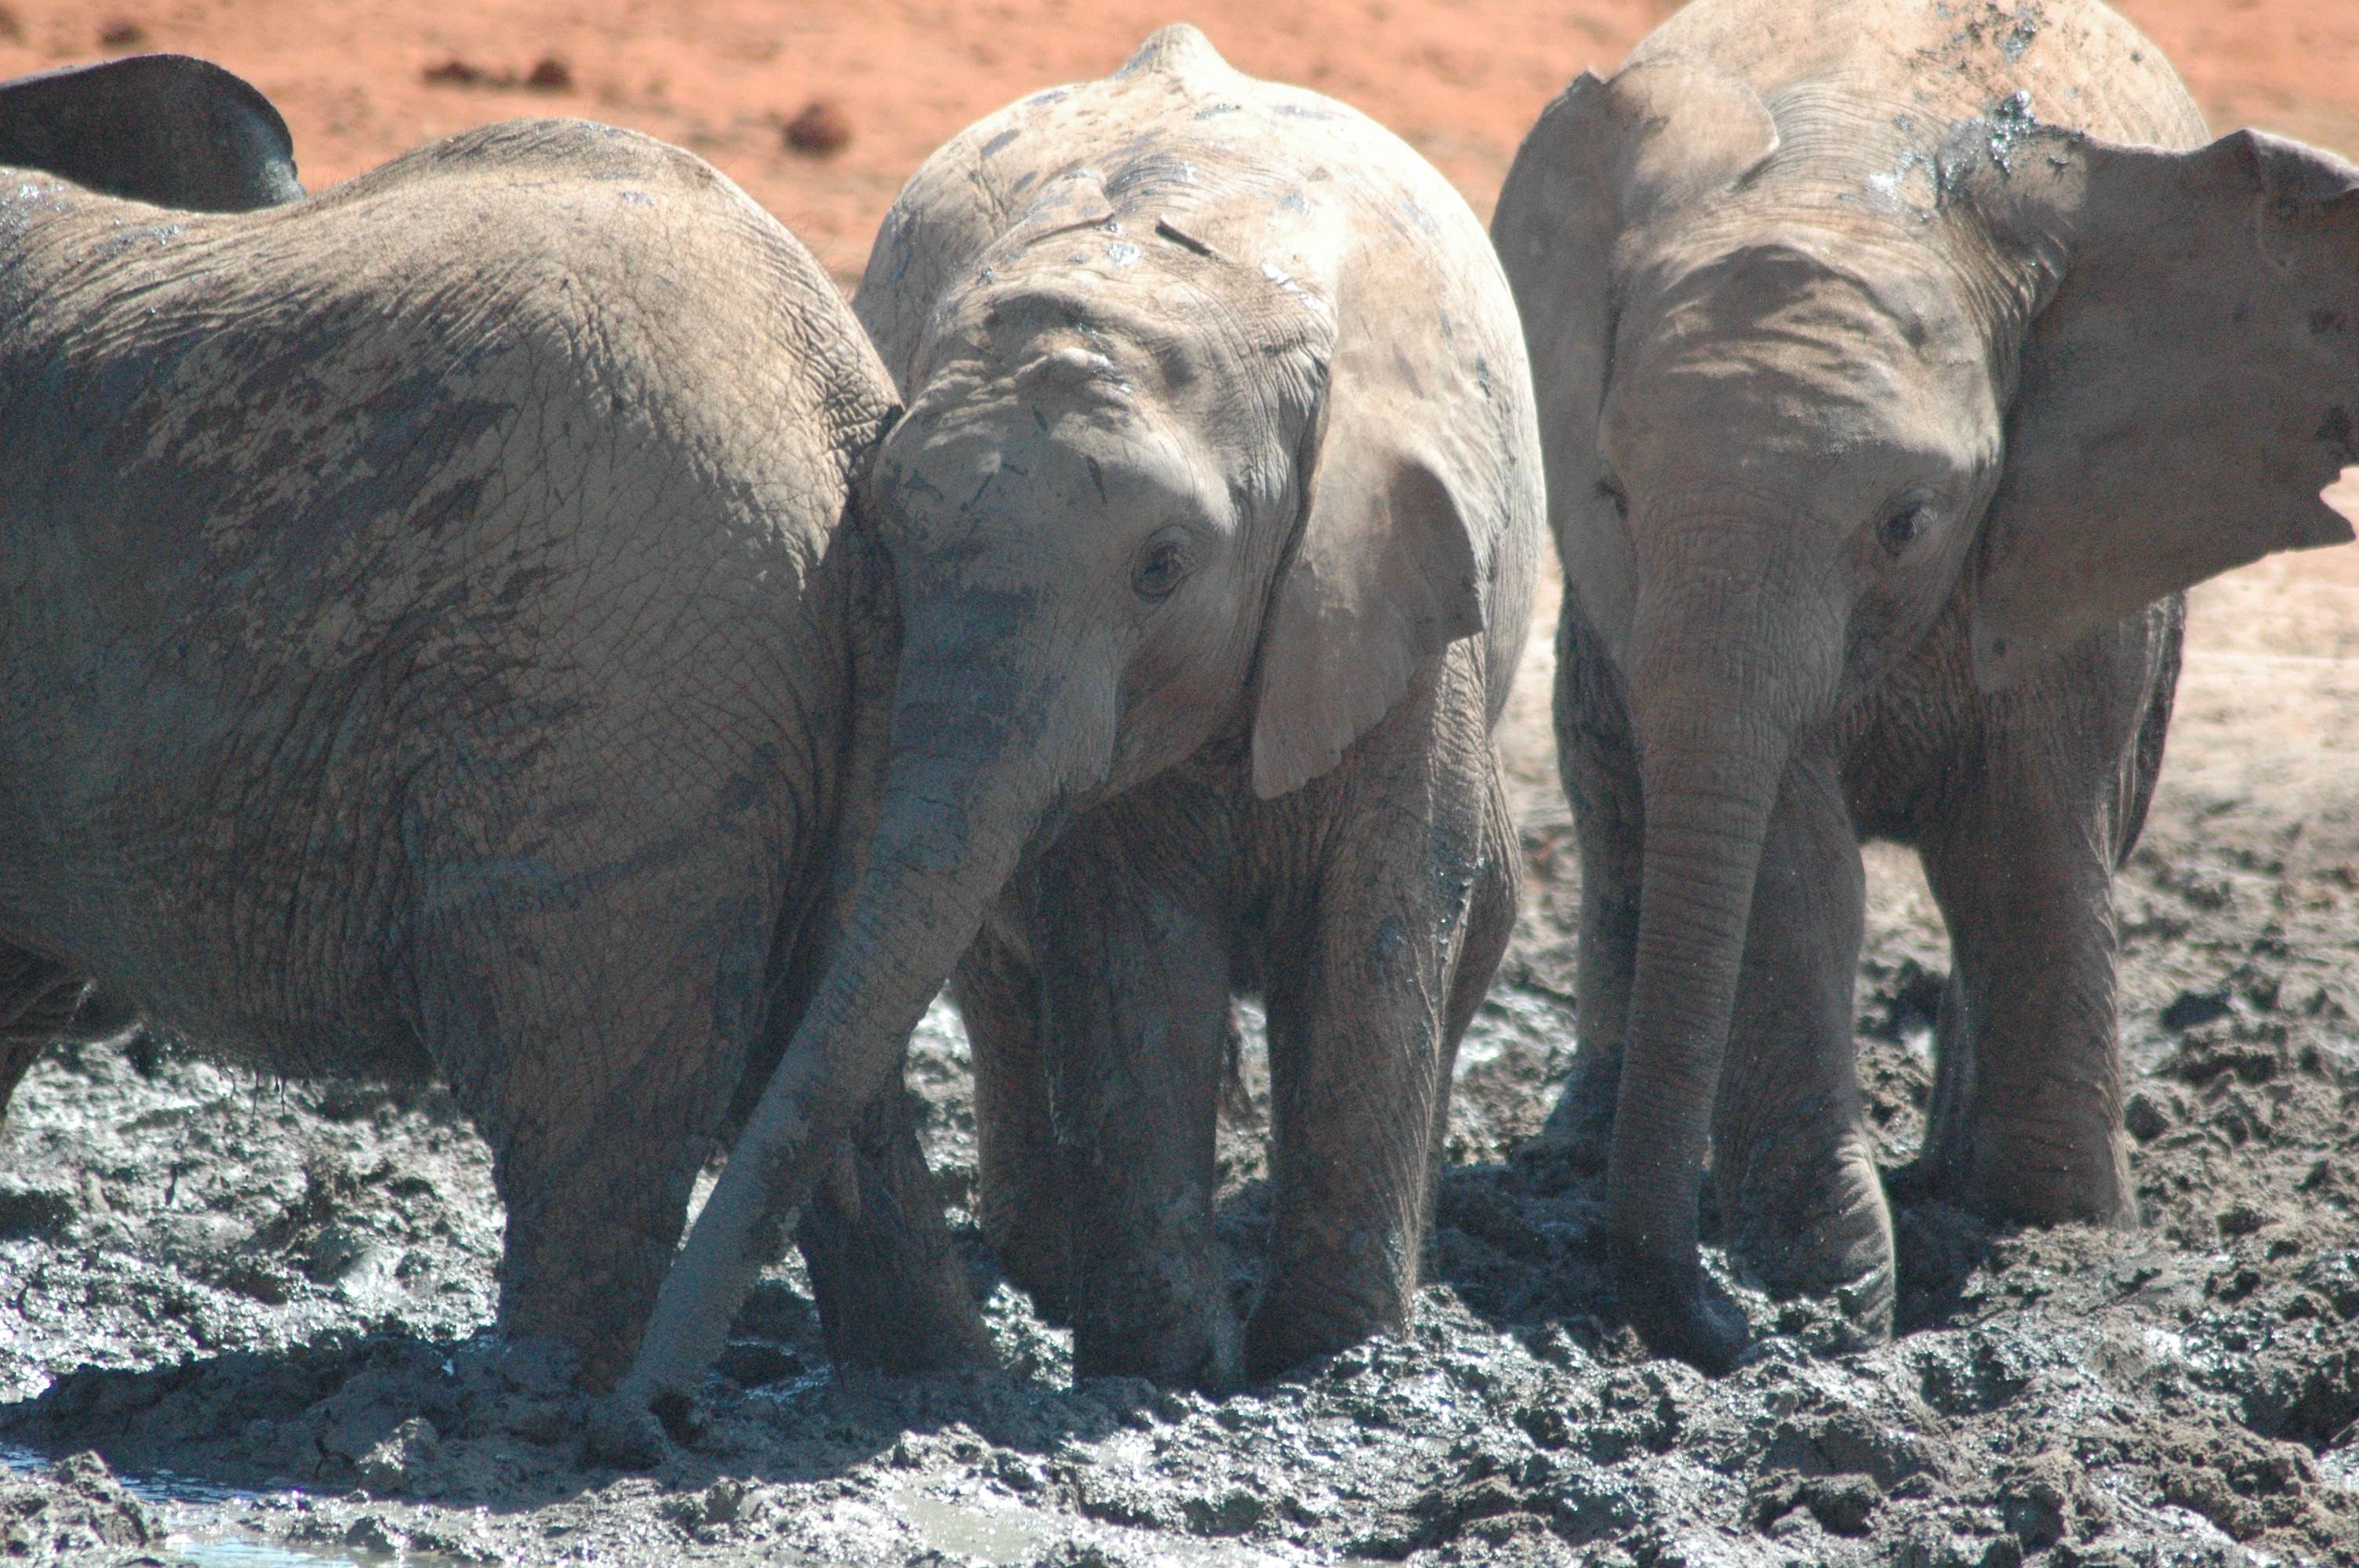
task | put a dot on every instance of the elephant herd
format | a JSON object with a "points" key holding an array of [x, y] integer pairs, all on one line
{"points": [[507, 620]]}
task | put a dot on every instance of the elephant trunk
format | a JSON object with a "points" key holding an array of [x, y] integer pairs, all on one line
{"points": [[968, 782], [1719, 690]]}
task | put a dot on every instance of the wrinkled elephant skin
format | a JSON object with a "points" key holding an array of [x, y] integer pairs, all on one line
{"points": [[437, 644], [1895, 364], [1214, 521]]}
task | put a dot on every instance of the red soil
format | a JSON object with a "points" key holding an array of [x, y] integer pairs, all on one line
{"points": [[1460, 79]]}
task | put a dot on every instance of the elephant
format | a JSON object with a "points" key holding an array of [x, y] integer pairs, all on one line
{"points": [[1882, 418], [163, 128], [1215, 519], [441, 638]]}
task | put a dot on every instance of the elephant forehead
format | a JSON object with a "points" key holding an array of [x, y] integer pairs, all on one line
{"points": [[1775, 326], [1032, 465]]}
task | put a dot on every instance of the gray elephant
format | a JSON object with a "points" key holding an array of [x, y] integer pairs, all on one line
{"points": [[1214, 521], [438, 642], [1878, 415]]}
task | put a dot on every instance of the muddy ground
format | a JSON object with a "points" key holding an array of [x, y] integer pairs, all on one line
{"points": [[265, 1305], [284, 1288]]}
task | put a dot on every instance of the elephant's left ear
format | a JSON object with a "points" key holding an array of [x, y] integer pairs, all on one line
{"points": [[2187, 391], [1397, 529]]}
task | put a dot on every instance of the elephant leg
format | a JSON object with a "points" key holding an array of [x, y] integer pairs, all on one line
{"points": [[2026, 1117], [1791, 1158], [1598, 760], [1365, 1005], [583, 1042], [38, 1001], [1132, 949], [891, 1290], [1020, 1200]]}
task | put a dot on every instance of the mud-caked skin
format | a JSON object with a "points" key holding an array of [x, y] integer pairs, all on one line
{"points": [[1893, 366], [434, 641], [1213, 524]]}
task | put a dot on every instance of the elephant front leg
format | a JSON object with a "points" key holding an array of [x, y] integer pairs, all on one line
{"points": [[1133, 955], [1791, 1159], [2026, 1121], [1369, 987], [891, 1290]]}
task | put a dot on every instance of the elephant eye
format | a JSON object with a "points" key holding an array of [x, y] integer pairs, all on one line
{"points": [[1611, 489], [1901, 529], [1161, 567]]}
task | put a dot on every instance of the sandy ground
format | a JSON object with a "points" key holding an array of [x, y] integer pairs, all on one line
{"points": [[1460, 79], [283, 1289]]}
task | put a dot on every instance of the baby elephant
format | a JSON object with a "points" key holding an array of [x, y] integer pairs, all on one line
{"points": [[1213, 521], [436, 641], [1878, 418]]}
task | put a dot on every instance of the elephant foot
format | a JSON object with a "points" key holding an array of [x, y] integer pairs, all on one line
{"points": [[1579, 1133], [1157, 1309], [1820, 1228], [891, 1290], [1204, 1353], [1663, 1298], [1292, 1326], [1037, 1261], [2044, 1173]]}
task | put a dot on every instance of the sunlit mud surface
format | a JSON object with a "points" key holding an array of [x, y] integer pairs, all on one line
{"points": [[266, 1305]]}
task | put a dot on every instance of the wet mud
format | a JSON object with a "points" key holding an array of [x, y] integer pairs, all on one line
{"points": [[267, 1306]]}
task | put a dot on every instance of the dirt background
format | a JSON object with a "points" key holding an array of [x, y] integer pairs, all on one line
{"points": [[265, 1303]]}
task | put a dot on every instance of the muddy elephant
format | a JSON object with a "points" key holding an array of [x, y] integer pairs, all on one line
{"points": [[1214, 521], [439, 640], [1880, 417]]}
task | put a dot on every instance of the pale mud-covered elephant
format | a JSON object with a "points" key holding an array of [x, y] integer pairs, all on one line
{"points": [[436, 639], [1213, 522], [1880, 415]]}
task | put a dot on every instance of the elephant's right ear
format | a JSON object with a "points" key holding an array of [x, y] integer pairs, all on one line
{"points": [[1605, 158], [2190, 387], [166, 129]]}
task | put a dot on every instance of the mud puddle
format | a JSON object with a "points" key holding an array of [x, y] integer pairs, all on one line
{"points": [[282, 1294]]}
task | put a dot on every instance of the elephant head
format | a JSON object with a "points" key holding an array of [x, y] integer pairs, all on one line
{"points": [[1793, 417], [161, 128], [1180, 479]]}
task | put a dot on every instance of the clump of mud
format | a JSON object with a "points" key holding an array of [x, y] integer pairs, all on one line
{"points": [[285, 1289]]}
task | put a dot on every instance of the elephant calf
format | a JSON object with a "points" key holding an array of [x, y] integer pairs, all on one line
{"points": [[1878, 418], [1214, 521], [434, 640]]}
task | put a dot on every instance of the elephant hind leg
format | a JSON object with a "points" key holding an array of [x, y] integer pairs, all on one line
{"points": [[1598, 760], [1020, 1200], [581, 1040], [43, 1001]]}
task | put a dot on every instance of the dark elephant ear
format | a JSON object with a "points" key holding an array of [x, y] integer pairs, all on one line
{"points": [[2189, 389], [1605, 158], [160, 128]]}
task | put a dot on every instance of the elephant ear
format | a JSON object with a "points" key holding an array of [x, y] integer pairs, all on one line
{"points": [[1605, 158], [2187, 391], [162, 128], [1389, 563]]}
